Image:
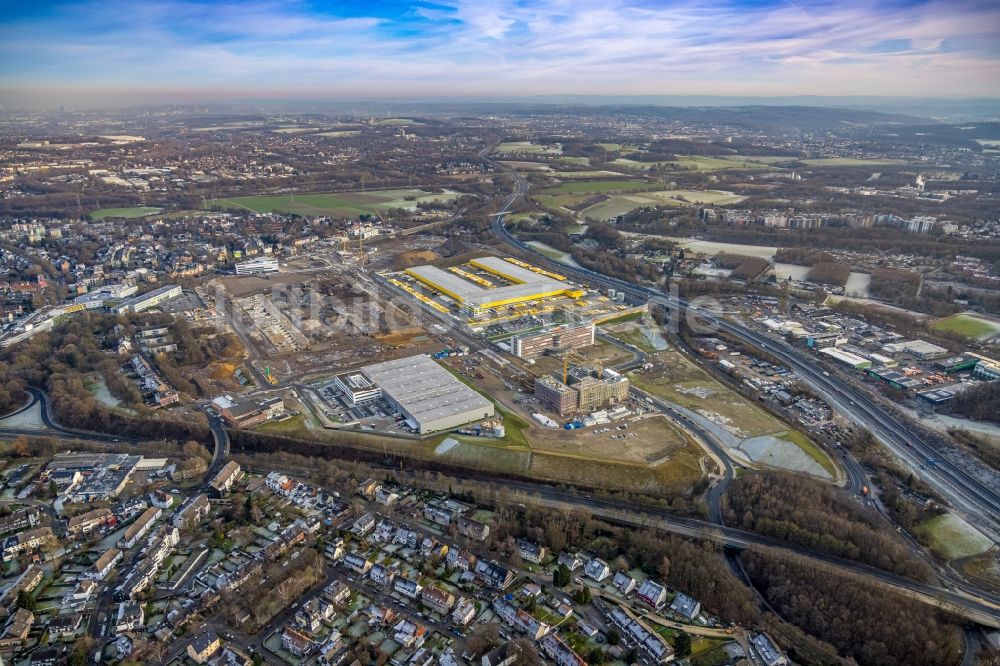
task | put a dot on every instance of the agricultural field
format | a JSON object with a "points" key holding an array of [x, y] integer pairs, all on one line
{"points": [[397, 122], [526, 166], [620, 204], [704, 163], [139, 211], [340, 133], [588, 174], [968, 325], [601, 187], [344, 204], [528, 147], [294, 130]]}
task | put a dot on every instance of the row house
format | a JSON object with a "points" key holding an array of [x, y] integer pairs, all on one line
{"points": [[104, 564]]}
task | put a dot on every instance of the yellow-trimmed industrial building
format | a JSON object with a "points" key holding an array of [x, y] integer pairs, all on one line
{"points": [[526, 284]]}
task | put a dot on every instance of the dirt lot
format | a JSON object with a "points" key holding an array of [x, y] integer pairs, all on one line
{"points": [[676, 378], [654, 442]]}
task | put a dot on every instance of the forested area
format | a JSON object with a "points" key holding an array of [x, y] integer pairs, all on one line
{"points": [[743, 267], [980, 402], [800, 511], [12, 393], [61, 360], [871, 624], [801, 256], [829, 272], [896, 285]]}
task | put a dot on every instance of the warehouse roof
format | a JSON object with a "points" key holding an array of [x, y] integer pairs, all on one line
{"points": [[424, 389], [527, 283]]}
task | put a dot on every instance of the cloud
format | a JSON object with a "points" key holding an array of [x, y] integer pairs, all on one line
{"points": [[485, 47]]}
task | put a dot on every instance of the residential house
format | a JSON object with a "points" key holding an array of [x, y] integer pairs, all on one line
{"points": [[464, 612], [494, 575], [570, 561], [18, 628], [23, 542], [437, 515], [20, 520], [85, 523], [767, 650], [462, 560], [648, 641], [130, 616], [652, 593], [191, 512], [409, 634], [204, 645], [408, 588], [296, 643], [222, 482], [438, 599], [623, 583], [138, 529], [363, 525], [337, 592], [473, 529], [597, 569], [685, 606], [65, 626], [530, 552], [357, 563], [381, 575], [560, 652]]}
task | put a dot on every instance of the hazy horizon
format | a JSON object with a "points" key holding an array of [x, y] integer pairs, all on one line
{"points": [[87, 53]]}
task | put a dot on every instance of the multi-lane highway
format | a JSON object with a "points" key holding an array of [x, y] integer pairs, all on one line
{"points": [[979, 501]]}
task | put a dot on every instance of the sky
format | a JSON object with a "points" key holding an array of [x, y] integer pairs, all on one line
{"points": [[192, 50]]}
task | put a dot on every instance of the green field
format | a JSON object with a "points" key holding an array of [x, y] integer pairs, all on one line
{"points": [[952, 538], [397, 122], [703, 163], [529, 148], [601, 187], [587, 174], [139, 211], [346, 204], [526, 166], [295, 130], [340, 133], [968, 326], [800, 440]]}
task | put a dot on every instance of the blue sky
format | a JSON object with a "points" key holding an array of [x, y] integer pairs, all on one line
{"points": [[265, 48]]}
